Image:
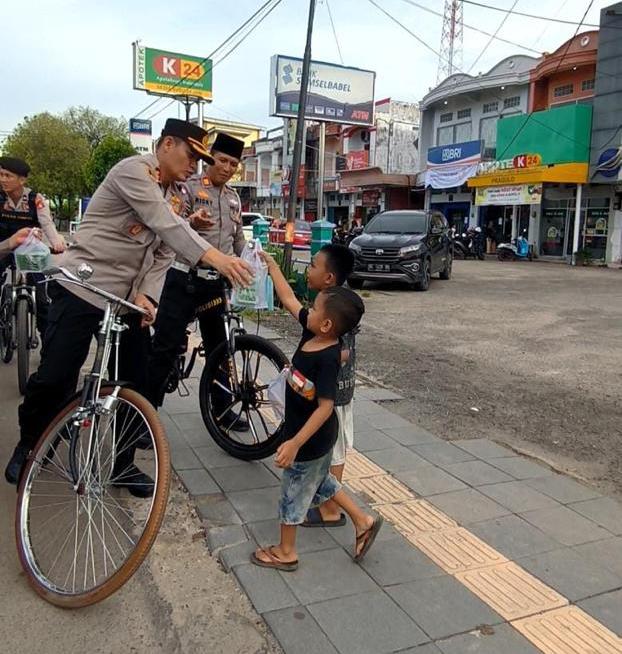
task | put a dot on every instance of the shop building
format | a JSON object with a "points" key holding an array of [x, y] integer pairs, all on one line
{"points": [[459, 129]]}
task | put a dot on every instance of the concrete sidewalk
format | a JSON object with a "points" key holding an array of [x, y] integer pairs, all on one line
{"points": [[483, 550]]}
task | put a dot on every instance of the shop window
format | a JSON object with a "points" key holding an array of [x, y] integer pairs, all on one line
{"points": [[488, 131], [462, 133], [587, 85], [490, 107], [445, 135], [561, 91], [446, 118], [514, 101], [463, 113]]}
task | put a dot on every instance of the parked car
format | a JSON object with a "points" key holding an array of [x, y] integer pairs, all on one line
{"points": [[302, 233], [407, 246]]}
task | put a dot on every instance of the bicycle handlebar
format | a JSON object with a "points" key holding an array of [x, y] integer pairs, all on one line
{"points": [[71, 278]]}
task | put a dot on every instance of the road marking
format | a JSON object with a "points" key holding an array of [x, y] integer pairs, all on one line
{"points": [[534, 609]]}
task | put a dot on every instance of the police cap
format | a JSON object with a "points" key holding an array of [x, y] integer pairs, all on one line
{"points": [[228, 145], [15, 165], [195, 136]]}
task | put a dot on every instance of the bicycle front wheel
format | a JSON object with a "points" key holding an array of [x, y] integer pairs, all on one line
{"points": [[23, 343], [6, 330], [80, 541], [257, 362]]}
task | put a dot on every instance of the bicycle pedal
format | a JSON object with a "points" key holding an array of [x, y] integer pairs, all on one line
{"points": [[182, 389]]}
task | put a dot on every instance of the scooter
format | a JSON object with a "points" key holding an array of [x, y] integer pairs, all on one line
{"points": [[518, 250], [469, 244]]}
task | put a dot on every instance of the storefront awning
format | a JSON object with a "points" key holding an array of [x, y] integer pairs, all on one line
{"points": [[565, 173], [374, 177]]}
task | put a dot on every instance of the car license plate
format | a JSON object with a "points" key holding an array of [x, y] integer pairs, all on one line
{"points": [[378, 267]]}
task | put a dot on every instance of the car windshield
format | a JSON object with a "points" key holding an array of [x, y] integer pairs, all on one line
{"points": [[302, 226], [398, 223]]}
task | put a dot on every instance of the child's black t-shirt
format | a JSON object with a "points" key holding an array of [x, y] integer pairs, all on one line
{"points": [[313, 375]]}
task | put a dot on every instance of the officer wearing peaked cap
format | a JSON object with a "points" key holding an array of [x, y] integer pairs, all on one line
{"points": [[186, 294], [129, 236]]}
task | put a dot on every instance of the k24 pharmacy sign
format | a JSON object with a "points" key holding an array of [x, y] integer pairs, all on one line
{"points": [[169, 73]]}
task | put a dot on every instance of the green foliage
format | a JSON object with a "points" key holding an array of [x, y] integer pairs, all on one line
{"points": [[94, 126], [57, 155], [110, 151], [584, 257], [297, 280]]}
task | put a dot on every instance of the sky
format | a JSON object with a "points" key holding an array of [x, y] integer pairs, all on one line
{"points": [[78, 52]]}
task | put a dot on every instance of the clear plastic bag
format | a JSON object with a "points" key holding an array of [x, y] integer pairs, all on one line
{"points": [[276, 393], [260, 294], [32, 255]]}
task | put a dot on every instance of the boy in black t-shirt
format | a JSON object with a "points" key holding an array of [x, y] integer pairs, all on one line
{"points": [[310, 423]]}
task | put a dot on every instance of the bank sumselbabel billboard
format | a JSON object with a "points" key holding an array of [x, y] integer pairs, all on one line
{"points": [[337, 94]]}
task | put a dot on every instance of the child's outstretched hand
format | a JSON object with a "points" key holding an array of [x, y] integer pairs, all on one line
{"points": [[286, 454], [268, 259]]}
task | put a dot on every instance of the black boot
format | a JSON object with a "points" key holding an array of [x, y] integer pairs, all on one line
{"points": [[137, 482], [16, 464], [231, 420]]}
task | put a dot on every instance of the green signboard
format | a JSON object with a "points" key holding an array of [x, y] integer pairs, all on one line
{"points": [[558, 135], [169, 73]]}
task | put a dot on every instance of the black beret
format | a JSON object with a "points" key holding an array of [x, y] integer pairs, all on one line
{"points": [[195, 136], [15, 165], [228, 145]]}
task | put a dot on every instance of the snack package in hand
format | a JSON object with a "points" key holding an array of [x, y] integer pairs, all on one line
{"points": [[33, 255]]}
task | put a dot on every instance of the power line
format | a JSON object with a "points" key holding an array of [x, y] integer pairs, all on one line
{"points": [[534, 16], [429, 47], [471, 27], [209, 56], [332, 24], [230, 51], [493, 36]]}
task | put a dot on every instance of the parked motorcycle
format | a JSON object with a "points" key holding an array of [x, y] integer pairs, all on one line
{"points": [[518, 250], [469, 244]]}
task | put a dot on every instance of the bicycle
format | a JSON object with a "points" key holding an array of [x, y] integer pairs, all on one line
{"points": [[79, 537], [239, 369], [18, 328]]}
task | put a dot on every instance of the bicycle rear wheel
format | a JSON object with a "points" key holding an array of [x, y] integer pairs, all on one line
{"points": [[258, 362], [23, 343], [6, 329], [79, 543]]}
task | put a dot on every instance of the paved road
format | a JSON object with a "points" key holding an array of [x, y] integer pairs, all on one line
{"points": [[180, 601]]}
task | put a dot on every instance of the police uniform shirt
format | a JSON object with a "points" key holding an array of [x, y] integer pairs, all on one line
{"points": [[130, 233], [44, 216], [224, 209]]}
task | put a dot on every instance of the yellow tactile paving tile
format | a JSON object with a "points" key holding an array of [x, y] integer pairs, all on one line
{"points": [[380, 490], [416, 516], [568, 631], [511, 591], [456, 550], [358, 465]]}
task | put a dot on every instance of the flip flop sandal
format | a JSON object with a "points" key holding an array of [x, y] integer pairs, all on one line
{"points": [[314, 519], [367, 538], [275, 562]]}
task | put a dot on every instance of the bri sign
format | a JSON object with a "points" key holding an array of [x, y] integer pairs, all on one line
{"points": [[451, 165]]}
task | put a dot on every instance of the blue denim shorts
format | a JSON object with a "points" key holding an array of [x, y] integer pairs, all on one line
{"points": [[305, 484]]}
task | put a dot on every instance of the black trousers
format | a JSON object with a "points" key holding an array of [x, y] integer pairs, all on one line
{"points": [[184, 298], [72, 323]]}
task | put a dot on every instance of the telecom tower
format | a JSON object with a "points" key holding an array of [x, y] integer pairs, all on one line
{"points": [[450, 60]]}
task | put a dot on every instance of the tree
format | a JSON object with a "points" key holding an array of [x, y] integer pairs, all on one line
{"points": [[57, 155], [109, 152], [94, 126]]}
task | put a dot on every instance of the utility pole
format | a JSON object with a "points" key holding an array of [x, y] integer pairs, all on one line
{"points": [[298, 143], [450, 59]]}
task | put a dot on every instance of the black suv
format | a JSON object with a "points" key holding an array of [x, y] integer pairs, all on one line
{"points": [[406, 246]]}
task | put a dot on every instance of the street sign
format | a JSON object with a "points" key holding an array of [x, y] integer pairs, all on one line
{"points": [[337, 94], [140, 135], [161, 72]]}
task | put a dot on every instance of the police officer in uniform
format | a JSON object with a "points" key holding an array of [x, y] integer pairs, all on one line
{"points": [[187, 295], [21, 207], [129, 235]]}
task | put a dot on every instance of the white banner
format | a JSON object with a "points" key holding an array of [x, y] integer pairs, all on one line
{"points": [[448, 176], [508, 195]]}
